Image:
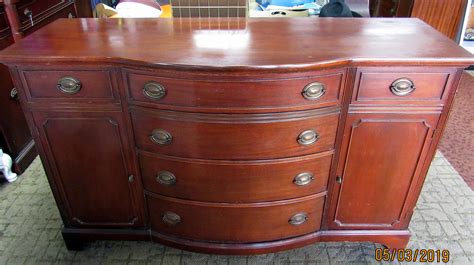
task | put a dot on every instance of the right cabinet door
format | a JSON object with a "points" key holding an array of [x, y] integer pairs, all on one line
{"points": [[381, 161]]}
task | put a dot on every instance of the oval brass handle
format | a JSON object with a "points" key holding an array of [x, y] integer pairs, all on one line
{"points": [[154, 90], [298, 219], [402, 87], [171, 218], [303, 179], [166, 178], [14, 93], [314, 91], [308, 137], [161, 137], [69, 85]]}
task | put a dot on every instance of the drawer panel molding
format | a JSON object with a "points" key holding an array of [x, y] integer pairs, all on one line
{"points": [[246, 137], [233, 223], [235, 181]]}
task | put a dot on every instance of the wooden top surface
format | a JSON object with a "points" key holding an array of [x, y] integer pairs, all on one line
{"points": [[240, 43]]}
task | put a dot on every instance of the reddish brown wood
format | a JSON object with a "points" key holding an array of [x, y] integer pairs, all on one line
{"points": [[217, 222], [213, 136], [41, 84], [377, 181], [14, 24], [235, 116], [235, 181], [237, 44], [92, 167], [373, 85], [199, 93]]}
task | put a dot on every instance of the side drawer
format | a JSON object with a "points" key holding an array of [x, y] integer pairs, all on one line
{"points": [[248, 222], [395, 85], [233, 136], [311, 90], [69, 85], [235, 181]]}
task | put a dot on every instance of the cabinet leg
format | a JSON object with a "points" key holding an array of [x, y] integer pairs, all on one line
{"points": [[73, 243]]}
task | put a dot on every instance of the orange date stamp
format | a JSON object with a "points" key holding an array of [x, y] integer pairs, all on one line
{"points": [[412, 255]]}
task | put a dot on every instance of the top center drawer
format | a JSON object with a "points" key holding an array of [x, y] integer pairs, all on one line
{"points": [[183, 91]]}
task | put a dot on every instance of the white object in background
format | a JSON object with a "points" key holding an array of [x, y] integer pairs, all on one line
{"points": [[6, 163], [136, 10]]}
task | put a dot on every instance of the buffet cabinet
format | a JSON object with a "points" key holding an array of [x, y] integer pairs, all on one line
{"points": [[19, 18], [232, 160]]}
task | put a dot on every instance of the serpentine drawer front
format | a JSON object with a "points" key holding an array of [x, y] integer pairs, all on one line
{"points": [[211, 136], [235, 181], [307, 90], [231, 139], [217, 222]]}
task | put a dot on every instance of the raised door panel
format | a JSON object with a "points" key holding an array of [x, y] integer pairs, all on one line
{"points": [[383, 158], [88, 158]]}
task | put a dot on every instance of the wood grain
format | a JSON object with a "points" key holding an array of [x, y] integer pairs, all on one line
{"points": [[300, 43]]}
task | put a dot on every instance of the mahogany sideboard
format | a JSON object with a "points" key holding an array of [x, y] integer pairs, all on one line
{"points": [[19, 18], [236, 136]]}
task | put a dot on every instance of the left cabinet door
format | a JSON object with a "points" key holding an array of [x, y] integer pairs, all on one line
{"points": [[89, 162]]}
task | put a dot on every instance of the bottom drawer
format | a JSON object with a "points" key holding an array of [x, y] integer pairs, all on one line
{"points": [[249, 222]]}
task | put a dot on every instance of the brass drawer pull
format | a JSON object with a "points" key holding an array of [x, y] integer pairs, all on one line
{"points": [[69, 85], [402, 87], [298, 219], [171, 218], [154, 90], [308, 137], [314, 91], [161, 137], [303, 179], [166, 178], [14, 93]]}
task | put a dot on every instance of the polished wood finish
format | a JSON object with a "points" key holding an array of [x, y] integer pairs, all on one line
{"points": [[15, 137], [235, 181], [92, 167], [220, 136], [373, 85], [391, 166], [41, 85], [250, 44], [252, 93], [228, 129], [216, 222]]}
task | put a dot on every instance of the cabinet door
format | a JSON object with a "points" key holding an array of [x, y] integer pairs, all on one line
{"points": [[87, 156], [380, 165]]}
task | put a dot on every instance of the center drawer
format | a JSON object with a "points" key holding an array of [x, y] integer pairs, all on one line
{"points": [[179, 91], [235, 136], [235, 223], [235, 181]]}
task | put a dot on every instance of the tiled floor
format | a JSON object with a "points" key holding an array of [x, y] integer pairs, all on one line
{"points": [[30, 230]]}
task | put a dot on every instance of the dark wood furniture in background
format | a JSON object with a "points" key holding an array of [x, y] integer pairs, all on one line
{"points": [[83, 8], [239, 141], [444, 15], [19, 18]]}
